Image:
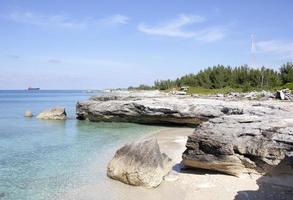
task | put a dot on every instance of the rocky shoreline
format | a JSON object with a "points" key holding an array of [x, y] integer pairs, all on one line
{"points": [[235, 137]]}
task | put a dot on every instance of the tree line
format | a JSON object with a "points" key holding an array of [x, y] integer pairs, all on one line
{"points": [[221, 76]]}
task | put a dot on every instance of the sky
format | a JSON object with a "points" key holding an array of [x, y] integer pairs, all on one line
{"points": [[95, 44]]}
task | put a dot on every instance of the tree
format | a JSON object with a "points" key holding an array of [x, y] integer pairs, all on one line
{"points": [[242, 77], [286, 72]]}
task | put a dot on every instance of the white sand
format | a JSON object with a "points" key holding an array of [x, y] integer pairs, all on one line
{"points": [[198, 184]]}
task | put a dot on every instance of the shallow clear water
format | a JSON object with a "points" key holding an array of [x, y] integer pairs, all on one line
{"points": [[41, 159]]}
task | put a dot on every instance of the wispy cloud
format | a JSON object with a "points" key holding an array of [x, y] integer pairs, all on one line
{"points": [[55, 61], [280, 48], [46, 20], [115, 20], [63, 21], [95, 62], [83, 62], [175, 28], [14, 57]]}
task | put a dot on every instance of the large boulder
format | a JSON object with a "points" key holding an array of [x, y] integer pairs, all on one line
{"points": [[139, 163], [241, 144], [53, 114]]}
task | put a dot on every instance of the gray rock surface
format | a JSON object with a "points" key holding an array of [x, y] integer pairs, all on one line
{"points": [[53, 114], [139, 163], [152, 110], [253, 142], [284, 94], [280, 95]]}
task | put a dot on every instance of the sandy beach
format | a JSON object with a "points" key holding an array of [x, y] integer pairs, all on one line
{"points": [[192, 184]]}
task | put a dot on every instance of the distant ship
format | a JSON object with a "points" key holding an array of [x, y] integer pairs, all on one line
{"points": [[32, 88]]}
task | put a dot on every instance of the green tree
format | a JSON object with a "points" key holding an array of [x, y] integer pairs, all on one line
{"points": [[286, 72]]}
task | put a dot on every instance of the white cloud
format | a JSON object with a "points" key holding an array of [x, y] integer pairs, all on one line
{"points": [[62, 21], [96, 62], [115, 20], [46, 20], [210, 34], [175, 28], [86, 62], [278, 48]]}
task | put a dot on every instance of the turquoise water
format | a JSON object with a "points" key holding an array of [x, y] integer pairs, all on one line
{"points": [[42, 159]]}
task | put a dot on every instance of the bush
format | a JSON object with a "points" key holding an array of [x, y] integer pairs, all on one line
{"points": [[289, 86]]}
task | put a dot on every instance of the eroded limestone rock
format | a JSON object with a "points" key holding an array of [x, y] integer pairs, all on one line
{"points": [[139, 163], [53, 114]]}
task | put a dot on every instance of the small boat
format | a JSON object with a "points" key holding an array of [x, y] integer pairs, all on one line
{"points": [[32, 88]]}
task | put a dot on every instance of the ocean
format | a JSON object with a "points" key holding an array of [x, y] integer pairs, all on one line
{"points": [[43, 159]]}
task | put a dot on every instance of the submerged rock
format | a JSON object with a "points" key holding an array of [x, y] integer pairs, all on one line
{"points": [[139, 163], [53, 114], [28, 113]]}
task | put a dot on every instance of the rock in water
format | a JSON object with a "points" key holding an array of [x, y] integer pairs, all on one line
{"points": [[139, 163], [28, 114], [53, 114]]}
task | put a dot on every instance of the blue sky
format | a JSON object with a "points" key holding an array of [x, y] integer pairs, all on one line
{"points": [[87, 44]]}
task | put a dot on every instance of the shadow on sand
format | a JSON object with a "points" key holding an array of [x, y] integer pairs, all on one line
{"points": [[180, 168], [274, 185]]}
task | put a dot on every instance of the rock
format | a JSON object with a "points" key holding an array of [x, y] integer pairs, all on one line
{"points": [[232, 136], [28, 113], [139, 163], [220, 95], [280, 95], [176, 92], [284, 94], [238, 144], [53, 114], [180, 93], [234, 95], [156, 110], [232, 111]]}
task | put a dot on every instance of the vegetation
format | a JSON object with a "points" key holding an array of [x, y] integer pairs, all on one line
{"points": [[286, 73], [222, 79], [288, 85], [142, 87], [225, 79]]}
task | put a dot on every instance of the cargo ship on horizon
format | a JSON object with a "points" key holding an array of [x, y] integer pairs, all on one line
{"points": [[32, 88]]}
